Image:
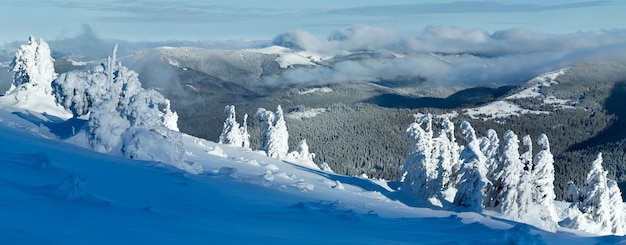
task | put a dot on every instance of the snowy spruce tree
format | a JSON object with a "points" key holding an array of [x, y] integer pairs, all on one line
{"points": [[274, 135], [473, 177], [601, 209], [232, 133], [33, 73]]}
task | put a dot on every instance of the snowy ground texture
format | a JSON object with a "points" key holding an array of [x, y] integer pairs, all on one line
{"points": [[54, 192]]}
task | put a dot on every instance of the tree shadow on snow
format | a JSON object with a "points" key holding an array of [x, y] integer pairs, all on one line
{"points": [[369, 185], [63, 129]]}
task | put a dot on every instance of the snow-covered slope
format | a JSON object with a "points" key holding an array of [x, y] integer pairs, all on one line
{"points": [[532, 91], [53, 192]]}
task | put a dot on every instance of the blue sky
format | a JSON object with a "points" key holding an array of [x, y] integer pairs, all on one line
{"points": [[158, 20]]}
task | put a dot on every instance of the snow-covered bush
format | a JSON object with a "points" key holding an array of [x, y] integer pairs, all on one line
{"points": [[233, 133], [274, 135]]}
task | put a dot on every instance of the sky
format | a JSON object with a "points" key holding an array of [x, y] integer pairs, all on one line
{"points": [[161, 20]]}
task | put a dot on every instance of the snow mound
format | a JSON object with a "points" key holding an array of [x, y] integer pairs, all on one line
{"points": [[72, 188]]}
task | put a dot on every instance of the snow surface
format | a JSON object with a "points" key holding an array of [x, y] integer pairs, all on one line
{"points": [[54, 192]]}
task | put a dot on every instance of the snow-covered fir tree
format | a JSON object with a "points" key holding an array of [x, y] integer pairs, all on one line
{"points": [[303, 152], [527, 156], [232, 132], [490, 146], [447, 157], [473, 177], [33, 67], [543, 174], [450, 164], [511, 174], [601, 209], [33, 73], [274, 135], [420, 170], [525, 186]]}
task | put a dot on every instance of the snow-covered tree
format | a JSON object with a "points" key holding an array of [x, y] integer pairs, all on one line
{"points": [[452, 151], [527, 156], [245, 135], [543, 173], [274, 135], [303, 152], [601, 209], [33, 73], [232, 133], [148, 108], [267, 119], [490, 146], [473, 177], [511, 174], [420, 169], [33, 68], [122, 115], [617, 208], [573, 193]]}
